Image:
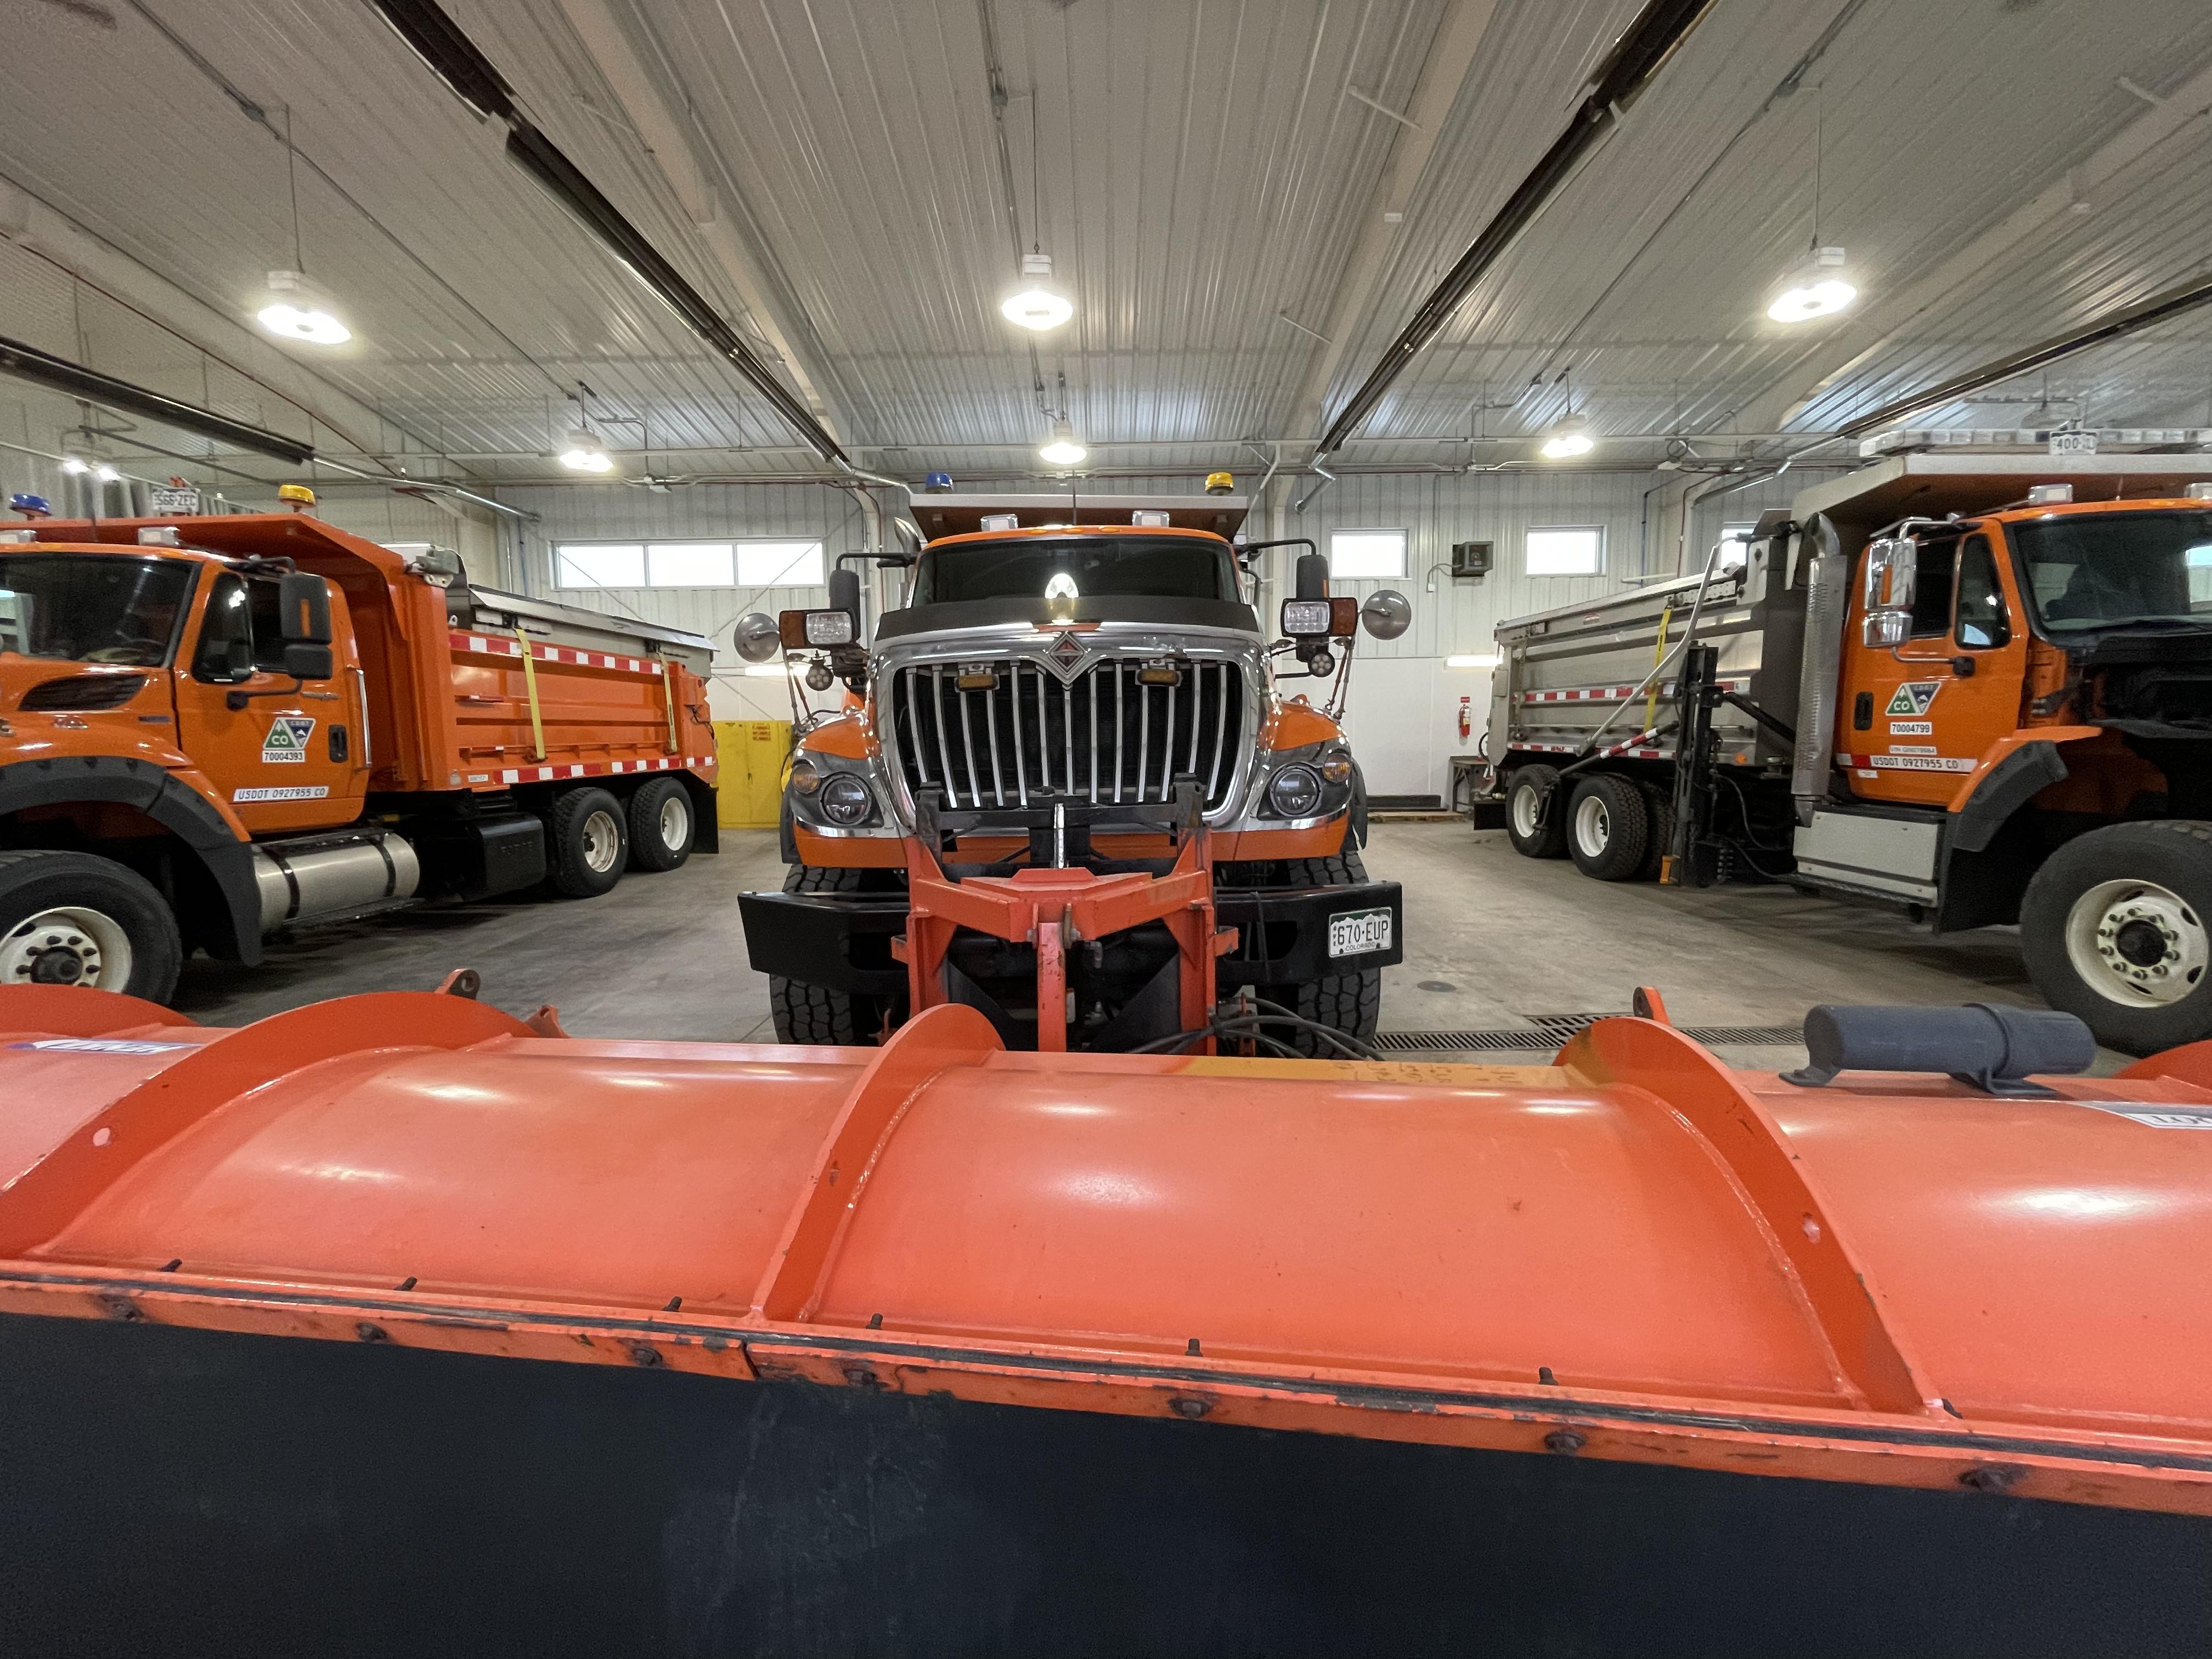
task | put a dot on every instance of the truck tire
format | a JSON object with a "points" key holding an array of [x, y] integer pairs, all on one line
{"points": [[586, 843], [1608, 827], [73, 919], [659, 825], [1524, 795], [2117, 928], [1349, 1003], [814, 1013]]}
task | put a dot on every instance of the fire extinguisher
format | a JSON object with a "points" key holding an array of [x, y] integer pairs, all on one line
{"points": [[1466, 716]]}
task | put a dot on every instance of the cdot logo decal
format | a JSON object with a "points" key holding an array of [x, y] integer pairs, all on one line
{"points": [[1913, 697], [287, 741]]}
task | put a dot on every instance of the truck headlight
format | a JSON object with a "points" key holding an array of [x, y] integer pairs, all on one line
{"points": [[804, 778], [845, 798], [1295, 792]]}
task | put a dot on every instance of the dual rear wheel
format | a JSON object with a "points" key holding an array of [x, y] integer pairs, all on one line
{"points": [[1611, 826]]}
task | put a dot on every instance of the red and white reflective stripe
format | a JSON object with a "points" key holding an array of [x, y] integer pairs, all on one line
{"points": [[492, 646], [1612, 693], [606, 768], [1613, 753]]}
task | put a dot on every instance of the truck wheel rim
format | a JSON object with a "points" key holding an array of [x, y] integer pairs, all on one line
{"points": [[1524, 812], [1593, 826], [2137, 944], [69, 945], [602, 842], [675, 824]]}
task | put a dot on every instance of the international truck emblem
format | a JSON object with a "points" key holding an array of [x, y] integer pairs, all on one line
{"points": [[1067, 655]]}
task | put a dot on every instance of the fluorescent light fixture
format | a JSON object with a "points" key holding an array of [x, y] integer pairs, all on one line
{"points": [[297, 312], [1817, 289], [105, 473], [586, 454], [1037, 304], [1491, 660], [1569, 438], [71, 465], [1063, 450]]}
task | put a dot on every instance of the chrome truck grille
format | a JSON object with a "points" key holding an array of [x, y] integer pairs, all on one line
{"points": [[1105, 736]]}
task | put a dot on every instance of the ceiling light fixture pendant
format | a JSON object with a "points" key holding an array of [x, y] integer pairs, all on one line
{"points": [[1037, 304], [1819, 288], [582, 452], [1062, 450], [1816, 289], [297, 309], [1569, 439]]}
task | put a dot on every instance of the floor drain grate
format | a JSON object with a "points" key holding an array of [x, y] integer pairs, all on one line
{"points": [[1545, 1034]]}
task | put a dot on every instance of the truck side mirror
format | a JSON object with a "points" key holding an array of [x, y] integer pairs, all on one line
{"points": [[845, 593], [1883, 629], [1893, 566], [304, 612], [1313, 576], [308, 662], [1387, 613]]}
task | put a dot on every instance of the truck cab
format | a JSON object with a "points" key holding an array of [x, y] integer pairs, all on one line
{"points": [[1102, 658]]}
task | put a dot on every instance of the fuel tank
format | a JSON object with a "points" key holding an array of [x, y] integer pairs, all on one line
{"points": [[436, 1323]]}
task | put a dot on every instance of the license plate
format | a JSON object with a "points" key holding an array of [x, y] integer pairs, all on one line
{"points": [[1356, 932]]}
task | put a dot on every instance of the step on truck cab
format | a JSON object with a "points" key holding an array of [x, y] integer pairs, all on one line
{"points": [[1976, 685], [213, 730], [1073, 733]]}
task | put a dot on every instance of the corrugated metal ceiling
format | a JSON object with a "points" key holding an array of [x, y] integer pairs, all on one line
{"points": [[1200, 172]]}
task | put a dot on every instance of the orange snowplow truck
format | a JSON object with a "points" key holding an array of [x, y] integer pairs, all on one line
{"points": [[1071, 787], [215, 730], [1976, 685]]}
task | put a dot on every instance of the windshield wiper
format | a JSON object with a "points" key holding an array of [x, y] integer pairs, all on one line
{"points": [[2192, 624]]}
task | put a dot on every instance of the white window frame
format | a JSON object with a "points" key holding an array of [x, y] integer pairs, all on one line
{"points": [[1597, 557], [1405, 552], [1739, 535], [737, 544]]}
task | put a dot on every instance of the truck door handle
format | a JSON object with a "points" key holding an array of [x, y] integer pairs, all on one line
{"points": [[338, 742]]}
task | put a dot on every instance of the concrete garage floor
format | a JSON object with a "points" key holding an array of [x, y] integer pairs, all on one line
{"points": [[663, 956]]}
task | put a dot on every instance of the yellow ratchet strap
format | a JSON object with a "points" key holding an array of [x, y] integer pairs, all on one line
{"points": [[530, 690], [1658, 656]]}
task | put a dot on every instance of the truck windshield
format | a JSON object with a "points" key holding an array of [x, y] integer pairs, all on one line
{"points": [[1165, 567], [80, 607], [2112, 569]]}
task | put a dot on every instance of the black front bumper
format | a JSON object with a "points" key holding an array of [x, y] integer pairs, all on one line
{"points": [[1283, 935]]}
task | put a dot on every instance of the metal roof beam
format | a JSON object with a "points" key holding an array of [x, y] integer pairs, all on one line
{"points": [[1451, 56], [776, 312], [1881, 325]]}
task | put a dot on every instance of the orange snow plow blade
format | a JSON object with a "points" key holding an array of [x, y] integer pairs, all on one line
{"points": [[1635, 1256]]}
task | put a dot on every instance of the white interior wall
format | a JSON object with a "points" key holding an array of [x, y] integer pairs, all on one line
{"points": [[1404, 701], [622, 513]]}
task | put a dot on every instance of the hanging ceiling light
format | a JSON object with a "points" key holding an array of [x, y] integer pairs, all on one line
{"points": [[298, 311], [586, 454], [1569, 438], [1037, 304], [1816, 289], [1062, 450]]}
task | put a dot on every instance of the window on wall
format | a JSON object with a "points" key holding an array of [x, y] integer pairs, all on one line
{"points": [[1736, 544], [1566, 550], [1360, 555], [688, 564], [780, 564]]}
